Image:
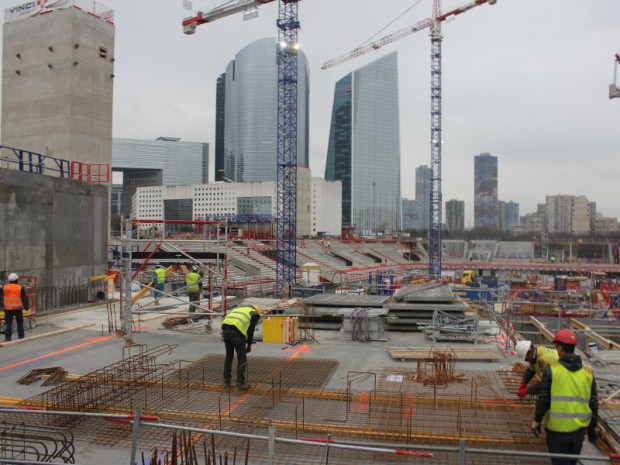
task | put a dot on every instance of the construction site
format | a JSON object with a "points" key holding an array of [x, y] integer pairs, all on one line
{"points": [[374, 349]]}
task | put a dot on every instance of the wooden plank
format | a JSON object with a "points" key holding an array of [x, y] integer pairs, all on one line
{"points": [[542, 328], [416, 353], [601, 341]]}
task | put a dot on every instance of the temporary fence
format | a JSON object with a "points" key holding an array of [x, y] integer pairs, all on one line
{"points": [[199, 446]]}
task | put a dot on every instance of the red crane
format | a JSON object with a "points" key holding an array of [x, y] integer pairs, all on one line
{"points": [[434, 23], [227, 8]]}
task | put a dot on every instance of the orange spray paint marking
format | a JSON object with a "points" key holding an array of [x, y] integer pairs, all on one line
{"points": [[363, 398], [57, 352], [409, 410], [304, 348]]}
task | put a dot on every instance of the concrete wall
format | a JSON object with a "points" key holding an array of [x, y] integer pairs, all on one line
{"points": [[57, 85], [52, 228]]}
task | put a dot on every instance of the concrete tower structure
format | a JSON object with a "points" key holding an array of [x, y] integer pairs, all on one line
{"points": [[250, 113], [364, 147], [486, 206], [57, 81]]}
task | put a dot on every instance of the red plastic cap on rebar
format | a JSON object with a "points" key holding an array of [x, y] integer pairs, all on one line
{"points": [[566, 336]]}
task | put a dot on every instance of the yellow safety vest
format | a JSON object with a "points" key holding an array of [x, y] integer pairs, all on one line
{"points": [[240, 319], [161, 275], [544, 356], [570, 399], [191, 280]]}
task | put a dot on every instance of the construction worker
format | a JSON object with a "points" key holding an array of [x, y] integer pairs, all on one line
{"points": [[158, 281], [193, 281], [538, 358], [238, 334], [567, 403], [14, 301]]}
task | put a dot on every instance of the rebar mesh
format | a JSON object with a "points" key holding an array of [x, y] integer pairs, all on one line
{"points": [[399, 407]]}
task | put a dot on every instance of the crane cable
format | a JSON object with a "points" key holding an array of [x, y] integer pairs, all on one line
{"points": [[390, 23]]}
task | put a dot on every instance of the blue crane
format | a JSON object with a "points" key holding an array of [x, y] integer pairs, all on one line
{"points": [[286, 178]]}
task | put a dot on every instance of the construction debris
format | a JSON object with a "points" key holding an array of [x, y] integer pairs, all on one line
{"points": [[50, 375]]}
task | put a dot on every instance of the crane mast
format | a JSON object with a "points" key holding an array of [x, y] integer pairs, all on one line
{"points": [[434, 23], [286, 181], [286, 159], [434, 230]]}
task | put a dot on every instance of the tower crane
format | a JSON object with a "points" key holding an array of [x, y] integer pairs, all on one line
{"points": [[434, 23], [614, 90], [286, 169]]}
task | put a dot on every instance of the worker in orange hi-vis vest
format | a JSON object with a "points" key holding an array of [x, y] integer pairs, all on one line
{"points": [[14, 301]]}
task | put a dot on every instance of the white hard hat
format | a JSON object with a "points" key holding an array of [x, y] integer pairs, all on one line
{"points": [[523, 348], [13, 277]]}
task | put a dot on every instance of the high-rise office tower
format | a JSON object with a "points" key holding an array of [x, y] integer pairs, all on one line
{"points": [[364, 147], [167, 161], [486, 208], [220, 112], [57, 81], [409, 214], [455, 216], [248, 117], [423, 176], [511, 214]]}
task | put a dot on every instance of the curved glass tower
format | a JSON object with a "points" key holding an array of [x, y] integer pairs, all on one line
{"points": [[250, 113], [364, 147]]}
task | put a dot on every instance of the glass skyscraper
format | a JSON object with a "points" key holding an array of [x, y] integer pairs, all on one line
{"points": [[423, 175], [249, 118], [364, 147], [166, 161], [455, 216], [486, 205]]}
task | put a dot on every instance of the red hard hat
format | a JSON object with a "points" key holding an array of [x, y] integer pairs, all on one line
{"points": [[565, 336]]}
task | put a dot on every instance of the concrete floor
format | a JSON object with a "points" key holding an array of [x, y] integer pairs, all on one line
{"points": [[84, 350]]}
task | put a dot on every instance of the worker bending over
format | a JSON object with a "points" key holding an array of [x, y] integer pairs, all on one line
{"points": [[13, 300], [238, 334], [538, 358], [567, 403]]}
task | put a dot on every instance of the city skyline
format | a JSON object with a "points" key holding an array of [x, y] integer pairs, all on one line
{"points": [[531, 89]]}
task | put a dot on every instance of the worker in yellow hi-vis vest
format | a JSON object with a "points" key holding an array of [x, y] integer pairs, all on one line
{"points": [[158, 282], [193, 281], [567, 402], [238, 334]]}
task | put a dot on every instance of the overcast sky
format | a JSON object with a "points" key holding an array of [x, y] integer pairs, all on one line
{"points": [[526, 80]]}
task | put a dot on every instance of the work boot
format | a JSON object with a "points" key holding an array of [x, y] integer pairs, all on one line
{"points": [[243, 387], [226, 384]]}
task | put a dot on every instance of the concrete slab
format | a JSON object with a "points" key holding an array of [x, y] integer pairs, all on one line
{"points": [[90, 348]]}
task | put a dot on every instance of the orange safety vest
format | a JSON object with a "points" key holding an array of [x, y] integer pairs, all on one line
{"points": [[12, 296]]}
